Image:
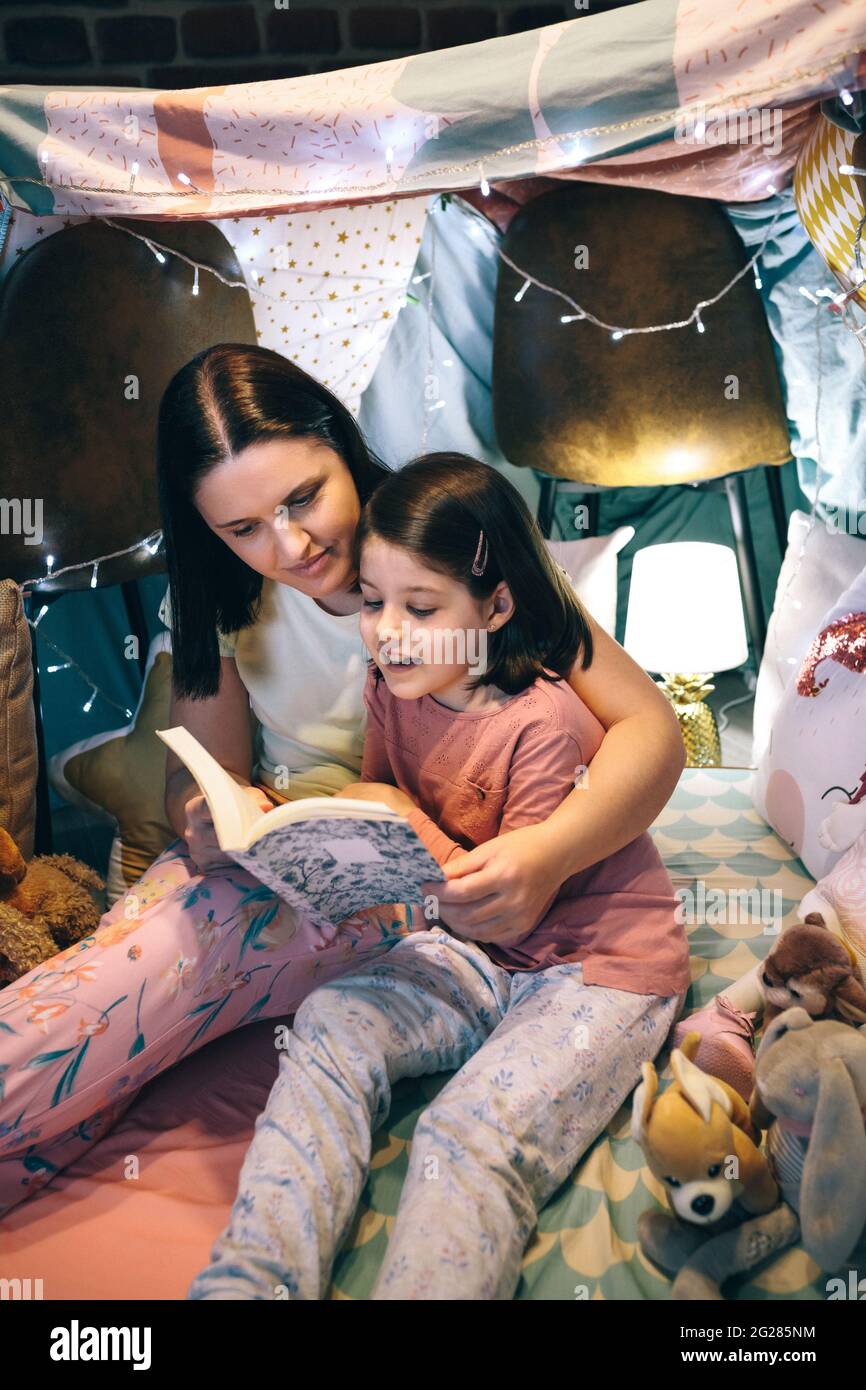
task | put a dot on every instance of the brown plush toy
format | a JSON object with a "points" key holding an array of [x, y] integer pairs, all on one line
{"points": [[810, 968], [44, 907]]}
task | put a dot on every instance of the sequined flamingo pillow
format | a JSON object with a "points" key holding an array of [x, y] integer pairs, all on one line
{"points": [[811, 782]]}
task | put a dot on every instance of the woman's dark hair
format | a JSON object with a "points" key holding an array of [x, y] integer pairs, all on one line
{"points": [[435, 508], [226, 398]]}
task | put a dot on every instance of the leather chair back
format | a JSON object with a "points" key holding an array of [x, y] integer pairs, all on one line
{"points": [[92, 328], [650, 409]]}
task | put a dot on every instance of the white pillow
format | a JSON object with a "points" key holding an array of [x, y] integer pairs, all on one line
{"points": [[818, 565], [816, 756], [591, 564]]}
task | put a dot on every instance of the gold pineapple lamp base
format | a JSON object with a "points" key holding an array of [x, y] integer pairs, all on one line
{"points": [[687, 694]]}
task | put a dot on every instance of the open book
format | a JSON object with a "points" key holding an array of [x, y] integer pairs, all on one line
{"points": [[327, 856]]}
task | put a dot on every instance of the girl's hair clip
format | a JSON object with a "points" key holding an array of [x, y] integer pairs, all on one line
{"points": [[478, 567]]}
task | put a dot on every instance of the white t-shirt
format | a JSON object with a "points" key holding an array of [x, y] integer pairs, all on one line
{"points": [[304, 670]]}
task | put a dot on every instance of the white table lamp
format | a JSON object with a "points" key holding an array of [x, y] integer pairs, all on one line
{"points": [[685, 620]]}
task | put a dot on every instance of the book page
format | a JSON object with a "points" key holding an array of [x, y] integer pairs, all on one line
{"points": [[317, 808]]}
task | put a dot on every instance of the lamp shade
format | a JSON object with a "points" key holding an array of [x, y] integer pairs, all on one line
{"points": [[685, 613]]}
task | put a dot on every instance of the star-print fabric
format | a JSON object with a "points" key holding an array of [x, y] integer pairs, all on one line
{"points": [[335, 280]]}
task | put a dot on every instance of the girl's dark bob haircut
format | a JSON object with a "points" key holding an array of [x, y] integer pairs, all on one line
{"points": [[435, 508], [228, 397]]}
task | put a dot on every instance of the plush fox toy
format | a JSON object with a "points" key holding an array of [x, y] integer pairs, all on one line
{"points": [[701, 1143]]}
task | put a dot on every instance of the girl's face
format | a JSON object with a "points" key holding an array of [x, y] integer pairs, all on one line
{"points": [[423, 629], [289, 509]]}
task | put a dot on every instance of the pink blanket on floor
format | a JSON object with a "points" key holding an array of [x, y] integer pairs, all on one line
{"points": [[94, 1233]]}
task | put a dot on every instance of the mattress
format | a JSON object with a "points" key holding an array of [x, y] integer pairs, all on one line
{"points": [[136, 1216]]}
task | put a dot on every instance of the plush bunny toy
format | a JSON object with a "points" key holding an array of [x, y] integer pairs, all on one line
{"points": [[810, 1093]]}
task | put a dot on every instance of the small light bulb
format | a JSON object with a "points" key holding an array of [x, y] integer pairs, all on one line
{"points": [[40, 615], [485, 186], [771, 188], [700, 323], [852, 169], [49, 560], [417, 279], [522, 291], [135, 166], [185, 178], [617, 334], [447, 361], [572, 152], [571, 318], [93, 576], [807, 294], [195, 281], [846, 97], [89, 705]]}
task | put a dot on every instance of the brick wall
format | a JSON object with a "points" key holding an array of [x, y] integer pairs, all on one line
{"points": [[193, 43]]}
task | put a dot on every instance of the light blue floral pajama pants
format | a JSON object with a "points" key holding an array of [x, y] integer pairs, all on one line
{"points": [[544, 1062]]}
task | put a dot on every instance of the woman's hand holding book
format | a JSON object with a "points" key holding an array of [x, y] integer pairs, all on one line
{"points": [[199, 832]]}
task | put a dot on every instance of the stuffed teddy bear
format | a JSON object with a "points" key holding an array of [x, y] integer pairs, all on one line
{"points": [[699, 1141], [811, 968], [810, 1090], [44, 906]]}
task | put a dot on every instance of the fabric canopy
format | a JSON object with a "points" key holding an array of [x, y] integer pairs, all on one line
{"points": [[598, 88]]}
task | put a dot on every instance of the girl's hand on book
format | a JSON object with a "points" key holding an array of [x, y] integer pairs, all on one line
{"points": [[500, 890], [380, 791]]}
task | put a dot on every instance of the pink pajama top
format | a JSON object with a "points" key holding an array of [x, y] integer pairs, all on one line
{"points": [[475, 774]]}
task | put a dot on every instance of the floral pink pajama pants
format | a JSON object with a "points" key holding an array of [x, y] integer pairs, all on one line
{"points": [[182, 959]]}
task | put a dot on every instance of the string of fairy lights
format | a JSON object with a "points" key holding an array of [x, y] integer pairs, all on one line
{"points": [[151, 543], [840, 303]]}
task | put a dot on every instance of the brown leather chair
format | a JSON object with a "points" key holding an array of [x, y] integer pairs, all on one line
{"points": [[82, 314], [659, 409]]}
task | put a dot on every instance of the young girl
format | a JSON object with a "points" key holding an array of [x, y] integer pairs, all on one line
{"points": [[546, 1027]]}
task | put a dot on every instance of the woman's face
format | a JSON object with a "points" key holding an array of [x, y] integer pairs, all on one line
{"points": [[289, 508]]}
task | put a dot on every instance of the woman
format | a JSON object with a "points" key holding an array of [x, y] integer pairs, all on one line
{"points": [[262, 476]]}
